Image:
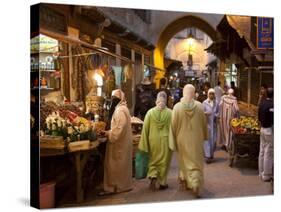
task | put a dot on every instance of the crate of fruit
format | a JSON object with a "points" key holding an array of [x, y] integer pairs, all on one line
{"points": [[52, 142], [245, 126]]}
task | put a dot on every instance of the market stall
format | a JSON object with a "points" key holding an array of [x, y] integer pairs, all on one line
{"points": [[65, 133], [75, 83], [245, 139]]}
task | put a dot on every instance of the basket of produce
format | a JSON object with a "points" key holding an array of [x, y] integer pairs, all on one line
{"points": [[136, 125], [245, 138], [245, 126], [99, 127]]}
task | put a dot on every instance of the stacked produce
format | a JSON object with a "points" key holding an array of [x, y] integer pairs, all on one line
{"points": [[46, 108], [66, 111], [70, 107], [99, 127], [69, 115], [65, 120], [77, 129], [245, 125]]}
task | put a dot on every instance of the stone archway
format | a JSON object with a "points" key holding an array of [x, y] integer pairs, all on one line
{"points": [[172, 29]]}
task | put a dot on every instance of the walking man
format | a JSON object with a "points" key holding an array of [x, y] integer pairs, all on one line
{"points": [[211, 110], [155, 141], [228, 109], [187, 136]]}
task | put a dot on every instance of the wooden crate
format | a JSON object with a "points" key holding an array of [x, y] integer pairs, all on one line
{"points": [[79, 146], [52, 142]]}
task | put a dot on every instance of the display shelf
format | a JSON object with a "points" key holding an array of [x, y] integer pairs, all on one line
{"points": [[37, 70], [33, 53], [45, 89], [47, 70]]}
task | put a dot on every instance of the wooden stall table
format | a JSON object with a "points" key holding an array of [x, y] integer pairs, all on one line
{"points": [[79, 151]]}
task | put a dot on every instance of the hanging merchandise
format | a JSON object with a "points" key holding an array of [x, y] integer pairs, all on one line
{"points": [[105, 69], [79, 74], [127, 84], [110, 83], [94, 61], [94, 104]]}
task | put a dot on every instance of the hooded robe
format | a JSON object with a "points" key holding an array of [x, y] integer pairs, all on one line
{"points": [[118, 155], [188, 132], [155, 141]]}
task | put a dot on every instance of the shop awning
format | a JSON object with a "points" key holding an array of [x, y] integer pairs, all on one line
{"points": [[74, 40]]}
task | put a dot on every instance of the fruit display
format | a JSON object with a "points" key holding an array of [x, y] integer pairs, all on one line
{"points": [[245, 124], [70, 107], [99, 127], [46, 108], [69, 115]]}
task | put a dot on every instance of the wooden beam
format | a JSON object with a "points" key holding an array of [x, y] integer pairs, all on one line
{"points": [[93, 47]]}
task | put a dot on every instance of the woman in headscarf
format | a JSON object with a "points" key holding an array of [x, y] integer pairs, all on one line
{"points": [[188, 133], [155, 141], [118, 155], [211, 110]]}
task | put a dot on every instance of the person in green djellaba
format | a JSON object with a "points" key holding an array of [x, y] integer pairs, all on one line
{"points": [[155, 141]]}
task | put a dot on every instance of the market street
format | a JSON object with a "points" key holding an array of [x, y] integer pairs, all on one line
{"points": [[221, 181], [104, 91]]}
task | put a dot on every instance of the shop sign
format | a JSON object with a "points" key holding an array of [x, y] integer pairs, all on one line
{"points": [[43, 43], [264, 33], [189, 73]]}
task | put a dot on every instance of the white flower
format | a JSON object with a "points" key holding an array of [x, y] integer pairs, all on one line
{"points": [[69, 130], [63, 123], [59, 122], [54, 127], [49, 125], [47, 120], [82, 128]]}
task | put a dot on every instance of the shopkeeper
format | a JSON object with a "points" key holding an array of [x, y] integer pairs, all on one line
{"points": [[118, 155]]}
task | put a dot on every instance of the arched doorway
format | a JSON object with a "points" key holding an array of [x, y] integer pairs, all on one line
{"points": [[172, 29]]}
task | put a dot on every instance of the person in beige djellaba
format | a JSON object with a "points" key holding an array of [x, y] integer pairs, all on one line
{"points": [[118, 155], [187, 135]]}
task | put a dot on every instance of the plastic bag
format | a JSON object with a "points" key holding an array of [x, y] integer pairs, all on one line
{"points": [[141, 164]]}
